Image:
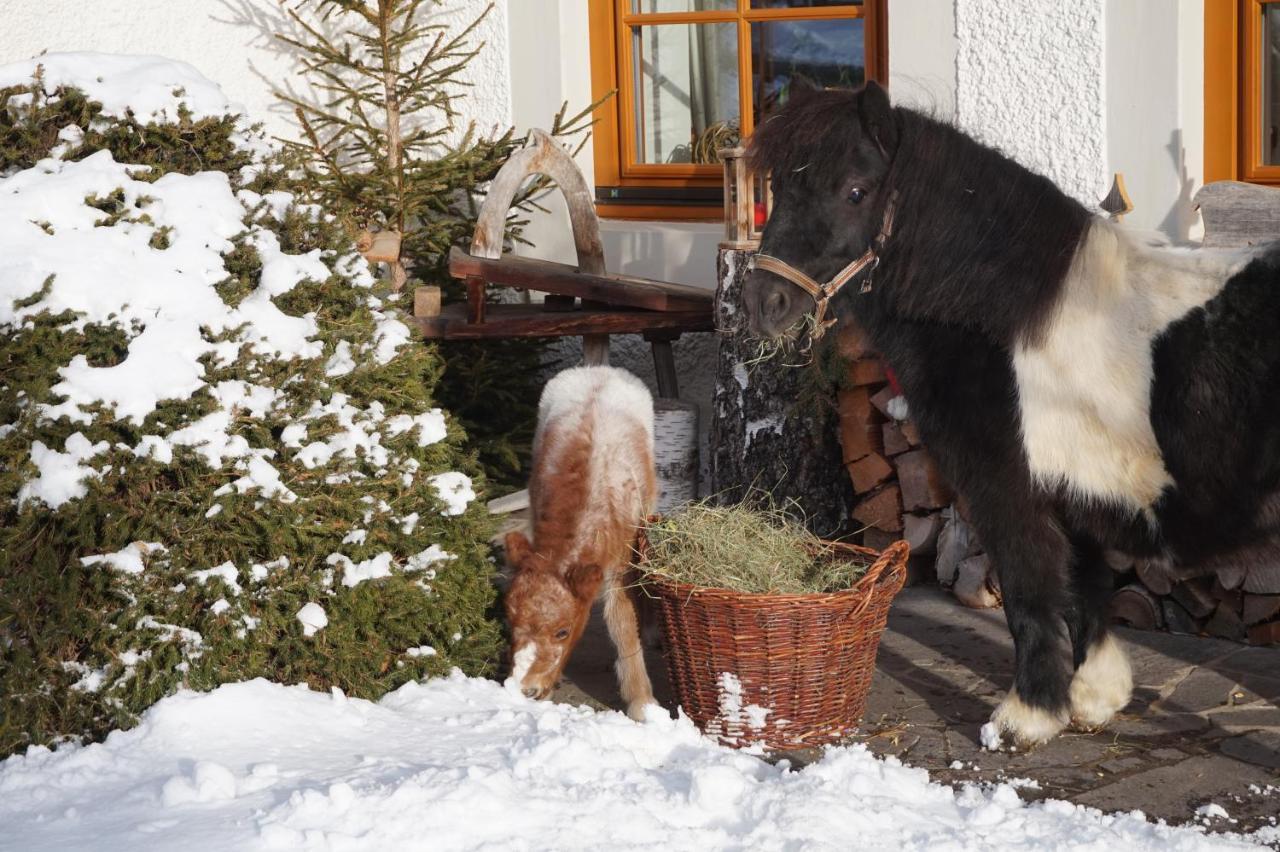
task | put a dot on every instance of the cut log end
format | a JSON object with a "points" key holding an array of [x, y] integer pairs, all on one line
{"points": [[1135, 606], [426, 301]]}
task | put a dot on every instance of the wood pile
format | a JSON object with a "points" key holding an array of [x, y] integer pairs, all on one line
{"points": [[899, 494]]}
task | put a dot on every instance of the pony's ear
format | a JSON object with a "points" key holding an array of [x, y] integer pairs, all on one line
{"points": [[877, 117], [584, 581], [518, 548]]}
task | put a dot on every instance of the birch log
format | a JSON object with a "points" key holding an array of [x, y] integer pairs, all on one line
{"points": [[675, 452], [765, 435]]}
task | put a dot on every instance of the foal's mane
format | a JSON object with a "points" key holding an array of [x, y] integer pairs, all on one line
{"points": [[978, 239]]}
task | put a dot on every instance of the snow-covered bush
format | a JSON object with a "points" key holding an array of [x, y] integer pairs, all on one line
{"points": [[219, 454]]}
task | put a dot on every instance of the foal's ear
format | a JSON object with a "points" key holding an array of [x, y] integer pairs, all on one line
{"points": [[877, 117], [584, 581], [517, 547]]}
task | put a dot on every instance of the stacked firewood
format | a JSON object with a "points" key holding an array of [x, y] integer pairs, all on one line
{"points": [[900, 494], [899, 491], [1231, 600]]}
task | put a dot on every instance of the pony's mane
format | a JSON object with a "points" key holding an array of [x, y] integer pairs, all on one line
{"points": [[978, 239], [813, 130]]}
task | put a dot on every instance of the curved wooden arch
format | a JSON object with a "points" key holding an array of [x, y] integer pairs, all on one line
{"points": [[543, 156]]}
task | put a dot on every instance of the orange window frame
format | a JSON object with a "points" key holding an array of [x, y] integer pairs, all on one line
{"points": [[616, 163], [1233, 69]]}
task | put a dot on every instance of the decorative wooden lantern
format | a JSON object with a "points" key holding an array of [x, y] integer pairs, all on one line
{"points": [[744, 195]]}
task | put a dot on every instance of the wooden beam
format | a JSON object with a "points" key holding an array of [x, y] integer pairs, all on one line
{"points": [[531, 321], [565, 280]]}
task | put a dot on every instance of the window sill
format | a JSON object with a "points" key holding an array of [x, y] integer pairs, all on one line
{"points": [[660, 212]]}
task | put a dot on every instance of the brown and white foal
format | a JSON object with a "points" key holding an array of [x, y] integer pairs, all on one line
{"points": [[593, 483]]}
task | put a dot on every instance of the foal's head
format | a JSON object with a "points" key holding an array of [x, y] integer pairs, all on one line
{"points": [[547, 609], [827, 154]]}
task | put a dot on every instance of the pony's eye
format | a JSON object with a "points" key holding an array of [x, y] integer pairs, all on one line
{"points": [[856, 195], [561, 635]]}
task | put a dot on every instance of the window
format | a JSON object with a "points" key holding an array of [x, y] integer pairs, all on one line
{"points": [[1242, 90], [693, 76]]}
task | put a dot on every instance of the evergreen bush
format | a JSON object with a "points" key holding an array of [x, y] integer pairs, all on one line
{"points": [[148, 547]]}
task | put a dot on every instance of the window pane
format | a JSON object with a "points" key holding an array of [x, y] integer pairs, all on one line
{"points": [[648, 7], [686, 91], [801, 4], [1271, 85], [827, 53]]}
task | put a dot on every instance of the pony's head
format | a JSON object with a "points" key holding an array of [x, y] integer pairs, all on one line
{"points": [[828, 154], [547, 609]]}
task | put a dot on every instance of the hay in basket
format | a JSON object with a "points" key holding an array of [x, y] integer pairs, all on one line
{"points": [[770, 633]]}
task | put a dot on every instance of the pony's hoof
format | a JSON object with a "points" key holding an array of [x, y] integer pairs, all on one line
{"points": [[1023, 725], [1101, 687]]}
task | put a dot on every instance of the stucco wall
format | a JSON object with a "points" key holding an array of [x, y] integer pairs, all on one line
{"points": [[1030, 81], [233, 43]]}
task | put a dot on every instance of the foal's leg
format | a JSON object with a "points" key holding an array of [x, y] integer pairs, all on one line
{"points": [[622, 619], [1103, 682], [1032, 558]]}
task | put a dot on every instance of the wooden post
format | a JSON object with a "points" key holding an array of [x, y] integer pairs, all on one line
{"points": [[664, 363], [426, 301], [595, 350]]}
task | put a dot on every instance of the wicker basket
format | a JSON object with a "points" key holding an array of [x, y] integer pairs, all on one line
{"points": [[808, 659]]}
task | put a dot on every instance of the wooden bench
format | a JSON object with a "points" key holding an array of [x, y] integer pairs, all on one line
{"points": [[583, 300]]}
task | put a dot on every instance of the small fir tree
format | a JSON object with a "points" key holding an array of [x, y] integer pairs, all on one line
{"points": [[384, 150]]}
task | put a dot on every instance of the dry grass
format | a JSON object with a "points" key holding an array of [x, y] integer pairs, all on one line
{"points": [[792, 348], [757, 551]]}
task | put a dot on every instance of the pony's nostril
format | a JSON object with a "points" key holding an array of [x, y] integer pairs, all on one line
{"points": [[775, 304], [530, 692]]}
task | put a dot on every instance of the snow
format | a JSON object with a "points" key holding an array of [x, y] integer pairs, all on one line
{"points": [[454, 490], [521, 661], [733, 713], [149, 86], [226, 572], [1212, 811], [461, 763], [313, 618], [990, 736], [61, 475], [128, 559], [423, 560], [431, 427], [355, 573]]}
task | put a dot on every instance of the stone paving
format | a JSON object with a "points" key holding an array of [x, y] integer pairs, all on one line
{"points": [[1204, 724]]}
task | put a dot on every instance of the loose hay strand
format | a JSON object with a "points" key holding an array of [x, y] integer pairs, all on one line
{"points": [[750, 550]]}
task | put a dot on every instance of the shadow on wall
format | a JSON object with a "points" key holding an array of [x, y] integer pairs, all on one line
{"points": [[269, 21], [1182, 217]]}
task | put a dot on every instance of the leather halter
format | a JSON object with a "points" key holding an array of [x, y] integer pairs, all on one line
{"points": [[822, 293]]}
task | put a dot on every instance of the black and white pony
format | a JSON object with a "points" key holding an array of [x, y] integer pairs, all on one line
{"points": [[1080, 389]]}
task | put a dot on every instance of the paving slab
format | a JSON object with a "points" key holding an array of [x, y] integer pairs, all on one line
{"points": [[1204, 725]]}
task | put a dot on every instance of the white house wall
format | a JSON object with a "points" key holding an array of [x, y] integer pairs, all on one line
{"points": [[922, 56], [1030, 81], [1155, 109], [233, 43]]}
